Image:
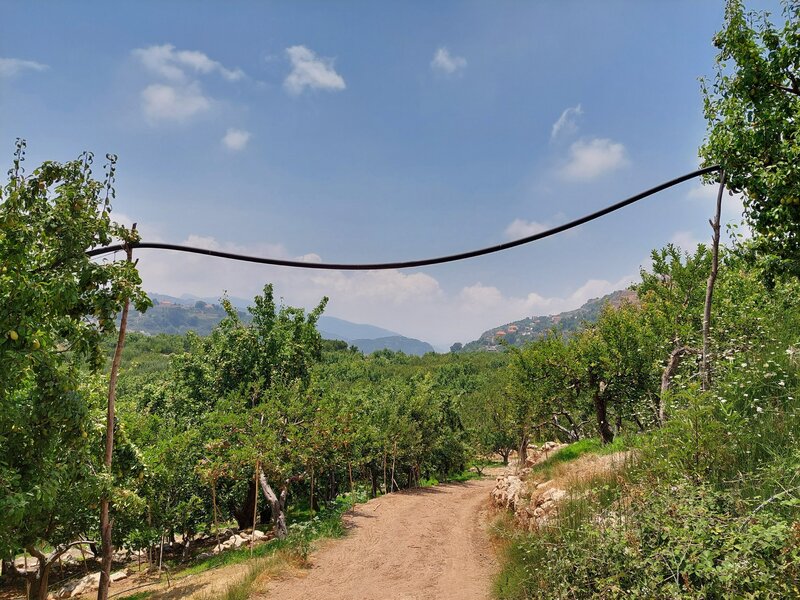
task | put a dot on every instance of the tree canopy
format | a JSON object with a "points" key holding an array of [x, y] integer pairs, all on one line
{"points": [[752, 109]]}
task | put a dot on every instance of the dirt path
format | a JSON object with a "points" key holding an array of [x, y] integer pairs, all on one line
{"points": [[429, 543]]}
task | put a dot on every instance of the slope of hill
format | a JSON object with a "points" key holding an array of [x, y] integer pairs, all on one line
{"points": [[397, 343], [166, 316], [525, 330], [170, 314], [338, 329]]}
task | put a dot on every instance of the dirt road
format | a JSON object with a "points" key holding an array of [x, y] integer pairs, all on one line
{"points": [[429, 543]]}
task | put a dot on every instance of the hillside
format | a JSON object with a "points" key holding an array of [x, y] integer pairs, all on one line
{"points": [[517, 333], [173, 315], [396, 343], [333, 328], [167, 316]]}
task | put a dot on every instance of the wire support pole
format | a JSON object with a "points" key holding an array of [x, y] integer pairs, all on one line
{"points": [[298, 264]]}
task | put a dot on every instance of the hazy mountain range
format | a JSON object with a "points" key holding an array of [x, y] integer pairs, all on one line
{"points": [[518, 333], [177, 315]]}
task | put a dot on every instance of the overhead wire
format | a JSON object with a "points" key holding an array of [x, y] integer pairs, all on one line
{"points": [[423, 262]]}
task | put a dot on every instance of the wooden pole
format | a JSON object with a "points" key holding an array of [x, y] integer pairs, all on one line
{"points": [[394, 457], [214, 507], [255, 508], [705, 367], [105, 516], [312, 490], [352, 497]]}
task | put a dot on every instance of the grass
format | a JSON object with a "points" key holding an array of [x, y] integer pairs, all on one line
{"points": [[581, 448], [587, 492], [327, 524], [137, 596], [467, 474]]}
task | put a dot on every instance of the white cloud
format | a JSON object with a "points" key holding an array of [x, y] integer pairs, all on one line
{"points": [[567, 123], [12, 66], [172, 64], [488, 306], [310, 72], [180, 97], [686, 240], [161, 102], [520, 228], [732, 206], [411, 302], [391, 286], [236, 139], [449, 64], [594, 157], [732, 209]]}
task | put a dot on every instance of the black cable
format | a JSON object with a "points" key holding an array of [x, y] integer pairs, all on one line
{"points": [[413, 263]]}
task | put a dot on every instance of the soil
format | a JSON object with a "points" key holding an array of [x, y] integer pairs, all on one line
{"points": [[411, 545], [423, 543]]}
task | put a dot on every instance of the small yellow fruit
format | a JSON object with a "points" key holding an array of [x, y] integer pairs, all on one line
{"points": [[84, 435], [13, 335], [36, 345]]}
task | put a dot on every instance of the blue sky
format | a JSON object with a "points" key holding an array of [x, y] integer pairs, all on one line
{"points": [[362, 131]]}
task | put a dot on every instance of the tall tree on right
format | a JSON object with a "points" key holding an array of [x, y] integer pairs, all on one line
{"points": [[753, 114]]}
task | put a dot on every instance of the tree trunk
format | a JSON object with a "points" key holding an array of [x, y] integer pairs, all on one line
{"points": [[705, 367], [394, 458], [255, 509], [333, 486], [244, 513], [522, 452], [504, 452], [373, 478], [277, 505], [638, 422], [601, 411], [675, 358], [37, 582], [573, 434], [561, 428], [106, 522]]}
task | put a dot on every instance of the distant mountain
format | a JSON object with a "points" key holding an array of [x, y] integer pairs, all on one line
{"points": [[177, 315], [520, 332], [396, 343], [338, 329]]}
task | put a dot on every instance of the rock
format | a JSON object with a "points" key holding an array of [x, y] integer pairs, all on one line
{"points": [[118, 576], [508, 492], [76, 587], [121, 556]]}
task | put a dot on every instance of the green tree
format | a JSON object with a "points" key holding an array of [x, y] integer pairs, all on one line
{"points": [[55, 306], [751, 109], [672, 296]]}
